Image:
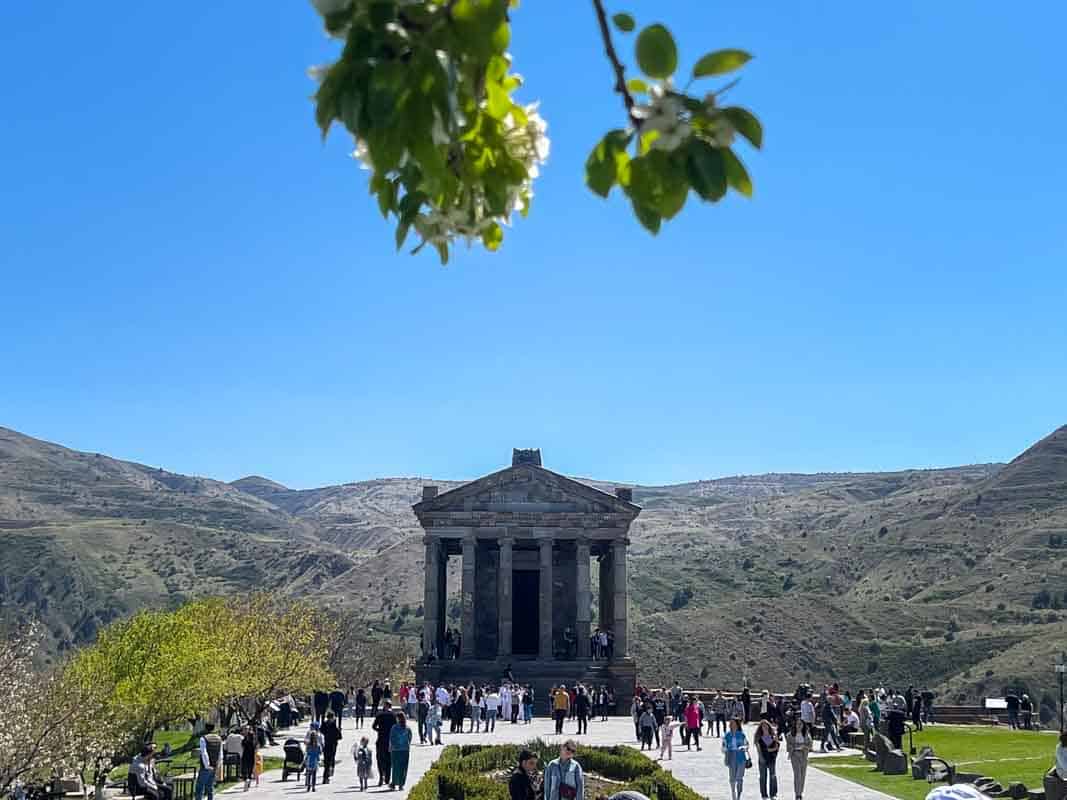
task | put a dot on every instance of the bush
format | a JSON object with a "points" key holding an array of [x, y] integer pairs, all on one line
{"points": [[459, 772]]}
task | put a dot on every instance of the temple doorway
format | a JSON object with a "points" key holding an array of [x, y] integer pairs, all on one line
{"points": [[525, 611]]}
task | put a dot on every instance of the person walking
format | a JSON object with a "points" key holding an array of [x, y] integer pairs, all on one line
{"points": [[718, 710], [399, 751], [477, 702], [361, 707], [563, 776], [312, 755], [527, 705], [375, 698], [248, 756], [636, 710], [666, 738], [382, 725], [331, 735], [423, 713], [692, 723], [798, 744], [767, 747], [646, 726], [561, 703], [433, 724], [581, 710], [521, 782], [746, 701], [210, 759], [492, 709], [364, 762], [735, 753]]}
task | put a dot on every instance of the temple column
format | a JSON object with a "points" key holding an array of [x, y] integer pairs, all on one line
{"points": [[442, 596], [621, 599], [470, 552], [504, 597], [584, 598], [545, 638], [606, 619], [430, 603]]}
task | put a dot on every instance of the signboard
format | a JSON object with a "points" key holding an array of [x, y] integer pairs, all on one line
{"points": [[996, 702]]}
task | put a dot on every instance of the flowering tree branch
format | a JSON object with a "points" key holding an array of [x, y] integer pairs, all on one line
{"points": [[616, 64]]}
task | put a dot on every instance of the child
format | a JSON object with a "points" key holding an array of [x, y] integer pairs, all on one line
{"points": [[313, 749], [433, 724], [364, 760], [666, 737], [648, 728], [259, 766]]}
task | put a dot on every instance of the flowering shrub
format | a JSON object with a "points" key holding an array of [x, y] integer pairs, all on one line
{"points": [[425, 89]]}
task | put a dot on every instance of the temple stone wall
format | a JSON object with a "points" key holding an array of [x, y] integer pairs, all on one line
{"points": [[486, 617]]}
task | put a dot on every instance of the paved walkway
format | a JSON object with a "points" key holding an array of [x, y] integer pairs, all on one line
{"points": [[704, 771]]}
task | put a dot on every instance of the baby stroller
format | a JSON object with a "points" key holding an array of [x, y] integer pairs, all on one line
{"points": [[294, 758]]}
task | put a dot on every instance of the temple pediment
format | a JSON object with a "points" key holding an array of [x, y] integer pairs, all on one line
{"points": [[526, 488]]}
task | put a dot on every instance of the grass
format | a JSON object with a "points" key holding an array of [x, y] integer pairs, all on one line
{"points": [[1003, 754]]}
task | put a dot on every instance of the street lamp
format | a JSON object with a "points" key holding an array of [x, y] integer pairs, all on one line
{"points": [[1061, 668]]}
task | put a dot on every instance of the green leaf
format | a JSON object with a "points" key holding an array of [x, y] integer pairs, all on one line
{"points": [[624, 22], [499, 102], [637, 85], [601, 168], [402, 233], [736, 174], [648, 217], [492, 237], [659, 182], [745, 123], [720, 62], [706, 170], [442, 252], [657, 54]]}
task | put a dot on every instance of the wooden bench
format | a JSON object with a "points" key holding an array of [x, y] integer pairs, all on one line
{"points": [[855, 740]]}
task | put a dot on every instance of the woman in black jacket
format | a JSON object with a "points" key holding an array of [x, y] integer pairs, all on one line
{"points": [[521, 785]]}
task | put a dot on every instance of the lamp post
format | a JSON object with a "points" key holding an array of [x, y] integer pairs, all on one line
{"points": [[1061, 668]]}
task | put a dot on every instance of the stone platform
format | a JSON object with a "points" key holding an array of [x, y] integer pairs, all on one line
{"points": [[541, 674]]}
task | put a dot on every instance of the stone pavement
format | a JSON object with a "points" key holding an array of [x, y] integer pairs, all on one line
{"points": [[704, 771]]}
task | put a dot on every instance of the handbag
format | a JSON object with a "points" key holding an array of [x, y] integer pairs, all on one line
{"points": [[566, 791], [748, 763]]}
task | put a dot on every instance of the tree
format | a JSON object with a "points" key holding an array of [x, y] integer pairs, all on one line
{"points": [[358, 655], [425, 87]]}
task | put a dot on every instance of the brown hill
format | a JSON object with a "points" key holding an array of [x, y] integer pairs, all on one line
{"points": [[954, 577]]}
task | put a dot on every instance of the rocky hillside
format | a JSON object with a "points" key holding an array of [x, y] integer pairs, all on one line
{"points": [[952, 577]]}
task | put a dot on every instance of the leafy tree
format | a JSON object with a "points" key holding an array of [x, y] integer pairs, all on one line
{"points": [[425, 87]]}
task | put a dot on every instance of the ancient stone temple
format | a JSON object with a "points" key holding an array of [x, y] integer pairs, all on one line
{"points": [[530, 540]]}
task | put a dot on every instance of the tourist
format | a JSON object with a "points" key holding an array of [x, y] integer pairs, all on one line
{"points": [[248, 756], [375, 698], [423, 712], [636, 710], [581, 710], [337, 704], [505, 701], [561, 703], [433, 724], [917, 712], [573, 695], [516, 701], [830, 739], [767, 747], [692, 724], [798, 744], [527, 704], [735, 752], [746, 702], [1061, 758], [1012, 700], [143, 770], [865, 721], [457, 644], [210, 760], [646, 726], [361, 707], [521, 782], [312, 754], [331, 735], [399, 751], [413, 702], [477, 704], [383, 723], [1027, 709], [492, 708], [736, 709], [676, 704], [876, 711], [719, 711], [896, 721], [364, 762], [928, 706], [443, 700], [563, 776], [320, 702], [851, 724], [609, 708], [666, 738]]}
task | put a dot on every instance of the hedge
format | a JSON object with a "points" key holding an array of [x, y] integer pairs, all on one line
{"points": [[459, 772]]}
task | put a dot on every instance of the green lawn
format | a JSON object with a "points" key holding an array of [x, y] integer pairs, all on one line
{"points": [[998, 752]]}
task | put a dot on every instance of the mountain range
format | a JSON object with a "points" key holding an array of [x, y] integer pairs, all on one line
{"points": [[953, 578]]}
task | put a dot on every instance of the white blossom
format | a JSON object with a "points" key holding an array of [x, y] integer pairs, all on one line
{"points": [[362, 155]]}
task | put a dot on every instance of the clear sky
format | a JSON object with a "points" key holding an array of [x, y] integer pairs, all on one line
{"points": [[190, 279]]}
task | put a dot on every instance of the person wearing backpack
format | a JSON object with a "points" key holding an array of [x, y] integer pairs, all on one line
{"points": [[563, 776], [364, 762], [313, 752]]}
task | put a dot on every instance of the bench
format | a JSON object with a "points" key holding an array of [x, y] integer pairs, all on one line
{"points": [[854, 740]]}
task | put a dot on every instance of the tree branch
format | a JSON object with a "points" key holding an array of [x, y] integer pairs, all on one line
{"points": [[613, 57]]}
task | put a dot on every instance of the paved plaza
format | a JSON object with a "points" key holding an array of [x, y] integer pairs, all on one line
{"points": [[703, 771]]}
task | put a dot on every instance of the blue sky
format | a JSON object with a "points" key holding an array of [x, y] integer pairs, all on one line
{"points": [[190, 279]]}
